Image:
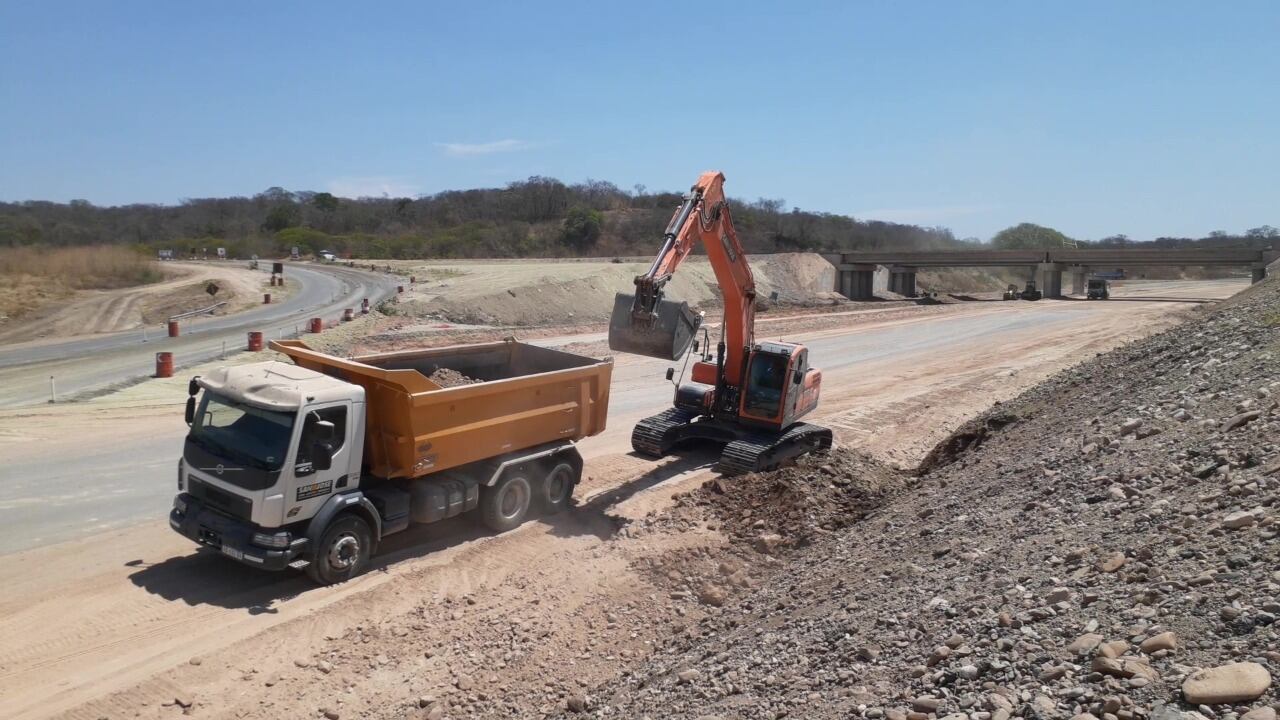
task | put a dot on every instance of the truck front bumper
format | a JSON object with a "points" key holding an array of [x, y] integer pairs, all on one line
{"points": [[230, 536]]}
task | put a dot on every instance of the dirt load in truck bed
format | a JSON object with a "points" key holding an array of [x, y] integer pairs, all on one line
{"points": [[446, 377]]}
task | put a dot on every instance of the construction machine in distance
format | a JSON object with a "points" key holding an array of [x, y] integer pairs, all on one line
{"points": [[1011, 293], [753, 394], [1098, 289], [1030, 292]]}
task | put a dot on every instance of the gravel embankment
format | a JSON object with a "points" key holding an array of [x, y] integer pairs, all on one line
{"points": [[1100, 547]]}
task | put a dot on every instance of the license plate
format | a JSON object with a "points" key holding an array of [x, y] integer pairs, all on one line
{"points": [[232, 552]]}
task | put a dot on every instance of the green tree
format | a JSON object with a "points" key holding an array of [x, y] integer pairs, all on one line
{"points": [[581, 228], [1028, 236], [325, 202], [280, 217]]}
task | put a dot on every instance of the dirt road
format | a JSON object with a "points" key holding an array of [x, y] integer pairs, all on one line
{"points": [[109, 623]]}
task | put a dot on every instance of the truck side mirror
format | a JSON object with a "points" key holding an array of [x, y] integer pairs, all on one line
{"points": [[190, 413], [324, 430], [671, 372], [695, 345], [193, 387], [322, 456]]}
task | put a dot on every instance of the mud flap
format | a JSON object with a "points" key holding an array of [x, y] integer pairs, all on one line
{"points": [[666, 334]]}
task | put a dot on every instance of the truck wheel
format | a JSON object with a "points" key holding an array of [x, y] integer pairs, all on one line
{"points": [[505, 505], [556, 489], [343, 551]]}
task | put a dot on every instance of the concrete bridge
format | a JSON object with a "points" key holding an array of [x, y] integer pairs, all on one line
{"points": [[855, 271]]}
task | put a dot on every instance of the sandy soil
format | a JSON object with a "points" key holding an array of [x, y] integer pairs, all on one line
{"points": [[103, 311], [453, 620]]}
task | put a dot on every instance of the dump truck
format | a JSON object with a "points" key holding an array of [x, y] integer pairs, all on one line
{"points": [[309, 464], [1098, 289]]}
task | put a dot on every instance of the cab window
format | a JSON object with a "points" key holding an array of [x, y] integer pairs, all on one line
{"points": [[335, 415], [765, 380]]}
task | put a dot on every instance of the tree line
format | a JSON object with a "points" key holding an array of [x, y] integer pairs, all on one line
{"points": [[537, 217]]}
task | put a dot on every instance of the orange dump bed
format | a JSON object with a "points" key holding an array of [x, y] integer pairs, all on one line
{"points": [[522, 396]]}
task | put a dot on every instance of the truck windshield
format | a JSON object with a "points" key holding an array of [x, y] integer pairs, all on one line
{"points": [[765, 381], [242, 433]]}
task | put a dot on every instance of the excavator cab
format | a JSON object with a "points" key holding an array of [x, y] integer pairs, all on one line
{"points": [[780, 386], [663, 331]]}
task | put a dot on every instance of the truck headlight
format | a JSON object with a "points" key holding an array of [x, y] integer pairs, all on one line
{"points": [[278, 541]]}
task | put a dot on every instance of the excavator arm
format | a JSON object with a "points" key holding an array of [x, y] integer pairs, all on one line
{"points": [[647, 324]]}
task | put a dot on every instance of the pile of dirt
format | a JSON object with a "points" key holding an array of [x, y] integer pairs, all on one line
{"points": [[793, 506], [447, 378], [1105, 546]]}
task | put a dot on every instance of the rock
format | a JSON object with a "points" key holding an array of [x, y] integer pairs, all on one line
{"points": [[1237, 682], [463, 682], [713, 595], [184, 700], [940, 653], [767, 543], [1241, 420], [324, 666], [926, 704], [1265, 712], [1057, 595], [968, 672], [688, 676], [895, 714], [1125, 668], [1084, 716], [330, 714], [1130, 426], [195, 661], [1163, 641], [302, 662], [576, 703], [1112, 562], [1084, 643], [1113, 649], [868, 653], [1242, 519], [435, 712]]}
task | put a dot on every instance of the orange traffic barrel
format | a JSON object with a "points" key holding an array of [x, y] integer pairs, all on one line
{"points": [[164, 364], [317, 325], [266, 298], [349, 314], [255, 340], [173, 328]]}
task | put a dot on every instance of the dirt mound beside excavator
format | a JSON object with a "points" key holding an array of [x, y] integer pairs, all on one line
{"points": [[790, 507]]}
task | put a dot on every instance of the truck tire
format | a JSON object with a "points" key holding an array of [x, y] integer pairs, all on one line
{"points": [[504, 506], [556, 490], [343, 552]]}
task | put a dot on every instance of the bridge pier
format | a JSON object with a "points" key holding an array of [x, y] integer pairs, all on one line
{"points": [[1079, 276], [1259, 272], [856, 281], [902, 280], [1049, 279]]}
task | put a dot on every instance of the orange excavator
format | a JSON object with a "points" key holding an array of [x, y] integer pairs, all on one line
{"points": [[751, 396]]}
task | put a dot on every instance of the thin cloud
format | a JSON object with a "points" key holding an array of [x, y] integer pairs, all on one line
{"points": [[359, 187], [456, 149]]}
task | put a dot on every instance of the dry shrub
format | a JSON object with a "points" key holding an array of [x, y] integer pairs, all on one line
{"points": [[78, 268]]}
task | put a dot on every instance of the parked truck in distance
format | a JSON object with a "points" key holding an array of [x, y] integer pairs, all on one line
{"points": [[309, 464], [1098, 289]]}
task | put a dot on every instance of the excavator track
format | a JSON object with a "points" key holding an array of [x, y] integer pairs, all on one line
{"points": [[654, 436], [766, 452]]}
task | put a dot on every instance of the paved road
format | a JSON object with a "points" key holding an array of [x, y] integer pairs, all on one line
{"points": [[134, 480], [84, 364]]}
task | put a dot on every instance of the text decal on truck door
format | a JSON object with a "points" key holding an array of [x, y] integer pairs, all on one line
{"points": [[315, 489]]}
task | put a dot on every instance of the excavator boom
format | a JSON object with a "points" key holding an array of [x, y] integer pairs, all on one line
{"points": [[646, 323]]}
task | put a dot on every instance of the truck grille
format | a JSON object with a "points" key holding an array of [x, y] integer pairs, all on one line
{"points": [[233, 505]]}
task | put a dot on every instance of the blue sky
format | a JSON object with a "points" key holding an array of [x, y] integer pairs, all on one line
{"points": [[1144, 118]]}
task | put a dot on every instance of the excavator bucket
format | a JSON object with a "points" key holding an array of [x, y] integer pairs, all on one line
{"points": [[665, 335]]}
